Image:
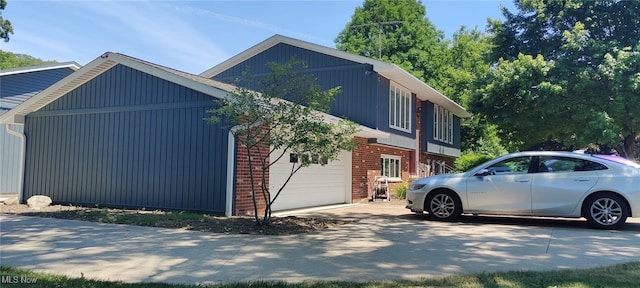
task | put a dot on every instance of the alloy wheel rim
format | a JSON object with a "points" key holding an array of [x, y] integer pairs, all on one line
{"points": [[442, 206], [606, 211]]}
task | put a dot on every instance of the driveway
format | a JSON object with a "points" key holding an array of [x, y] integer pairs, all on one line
{"points": [[387, 242]]}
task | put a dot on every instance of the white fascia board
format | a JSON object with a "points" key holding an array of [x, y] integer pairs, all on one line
{"points": [[55, 91], [98, 66], [220, 90], [71, 65], [388, 70], [423, 90], [277, 39], [443, 150], [362, 131]]}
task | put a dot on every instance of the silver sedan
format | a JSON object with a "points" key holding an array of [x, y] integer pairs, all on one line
{"points": [[603, 189]]}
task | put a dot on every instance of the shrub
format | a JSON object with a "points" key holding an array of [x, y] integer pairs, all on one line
{"points": [[400, 191], [470, 160]]}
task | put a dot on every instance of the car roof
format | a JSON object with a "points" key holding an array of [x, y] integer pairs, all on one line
{"points": [[548, 153], [592, 157]]}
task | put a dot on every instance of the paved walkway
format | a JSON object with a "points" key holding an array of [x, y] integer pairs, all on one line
{"points": [[386, 243]]}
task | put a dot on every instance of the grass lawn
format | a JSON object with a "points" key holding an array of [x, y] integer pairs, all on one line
{"points": [[623, 275]]}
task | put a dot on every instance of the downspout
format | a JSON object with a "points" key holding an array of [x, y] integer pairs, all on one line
{"points": [[23, 146], [417, 155], [231, 155], [231, 161], [231, 171]]}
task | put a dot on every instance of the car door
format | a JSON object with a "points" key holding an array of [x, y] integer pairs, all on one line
{"points": [[560, 183], [506, 190]]}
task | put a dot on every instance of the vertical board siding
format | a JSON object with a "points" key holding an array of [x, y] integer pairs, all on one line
{"points": [[20, 87], [10, 147], [159, 158], [122, 86], [357, 100], [31, 82], [426, 115]]}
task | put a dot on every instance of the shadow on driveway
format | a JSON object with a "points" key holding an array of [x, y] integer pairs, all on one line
{"points": [[385, 243]]}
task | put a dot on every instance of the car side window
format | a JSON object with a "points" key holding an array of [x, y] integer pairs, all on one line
{"points": [[587, 165], [515, 165], [566, 164]]}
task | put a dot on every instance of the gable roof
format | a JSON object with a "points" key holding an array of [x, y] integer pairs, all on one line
{"points": [[388, 70], [19, 84], [103, 63], [108, 60]]}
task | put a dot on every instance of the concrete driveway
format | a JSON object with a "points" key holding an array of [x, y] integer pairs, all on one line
{"points": [[387, 242]]}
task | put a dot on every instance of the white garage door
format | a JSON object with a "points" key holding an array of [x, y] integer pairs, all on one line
{"points": [[314, 185]]}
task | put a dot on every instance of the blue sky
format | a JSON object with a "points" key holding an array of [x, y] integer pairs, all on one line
{"points": [[193, 36]]}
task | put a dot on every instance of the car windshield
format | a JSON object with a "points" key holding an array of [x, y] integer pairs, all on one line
{"points": [[619, 159]]}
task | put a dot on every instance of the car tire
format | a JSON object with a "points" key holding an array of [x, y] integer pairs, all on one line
{"points": [[443, 205], [606, 211]]}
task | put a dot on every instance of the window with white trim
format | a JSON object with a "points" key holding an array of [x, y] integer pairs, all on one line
{"points": [[442, 124], [399, 108], [390, 166]]}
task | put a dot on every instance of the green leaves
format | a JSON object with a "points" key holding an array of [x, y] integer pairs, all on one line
{"points": [[269, 127], [566, 71], [10, 60], [5, 25], [397, 32]]}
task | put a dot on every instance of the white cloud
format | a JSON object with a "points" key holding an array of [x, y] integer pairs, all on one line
{"points": [[163, 37], [245, 22]]}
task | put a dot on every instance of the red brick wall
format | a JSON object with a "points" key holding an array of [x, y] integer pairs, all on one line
{"points": [[243, 199], [366, 165]]}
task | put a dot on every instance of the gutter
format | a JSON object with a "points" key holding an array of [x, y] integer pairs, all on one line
{"points": [[23, 146]]}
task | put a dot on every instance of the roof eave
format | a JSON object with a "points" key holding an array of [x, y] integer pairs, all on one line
{"points": [[71, 65], [388, 70], [95, 68], [423, 91]]}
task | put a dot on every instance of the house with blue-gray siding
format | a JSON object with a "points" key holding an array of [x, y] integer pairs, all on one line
{"points": [[16, 86], [123, 132], [423, 125]]}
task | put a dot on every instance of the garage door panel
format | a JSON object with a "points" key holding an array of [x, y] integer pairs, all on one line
{"points": [[314, 185]]}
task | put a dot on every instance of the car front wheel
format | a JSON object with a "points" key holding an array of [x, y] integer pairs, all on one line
{"points": [[443, 205], [606, 211]]}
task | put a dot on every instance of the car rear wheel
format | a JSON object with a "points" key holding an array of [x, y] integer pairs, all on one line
{"points": [[606, 211], [443, 205]]}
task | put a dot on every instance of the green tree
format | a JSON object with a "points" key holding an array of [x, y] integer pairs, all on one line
{"points": [[565, 72], [396, 31], [467, 65], [268, 128], [5, 25], [10, 60]]}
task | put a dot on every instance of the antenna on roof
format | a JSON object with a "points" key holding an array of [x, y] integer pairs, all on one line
{"points": [[379, 24]]}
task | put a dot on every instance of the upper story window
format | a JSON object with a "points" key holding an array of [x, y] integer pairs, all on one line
{"points": [[399, 108], [442, 124]]}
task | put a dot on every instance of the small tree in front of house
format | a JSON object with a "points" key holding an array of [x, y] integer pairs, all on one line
{"points": [[271, 129]]}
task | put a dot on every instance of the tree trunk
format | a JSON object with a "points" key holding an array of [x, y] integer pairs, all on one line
{"points": [[631, 147]]}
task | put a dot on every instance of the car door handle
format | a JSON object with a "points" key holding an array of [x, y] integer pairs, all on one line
{"points": [[522, 180], [582, 179]]}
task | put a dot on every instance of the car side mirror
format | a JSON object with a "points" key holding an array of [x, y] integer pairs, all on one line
{"points": [[483, 172]]}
